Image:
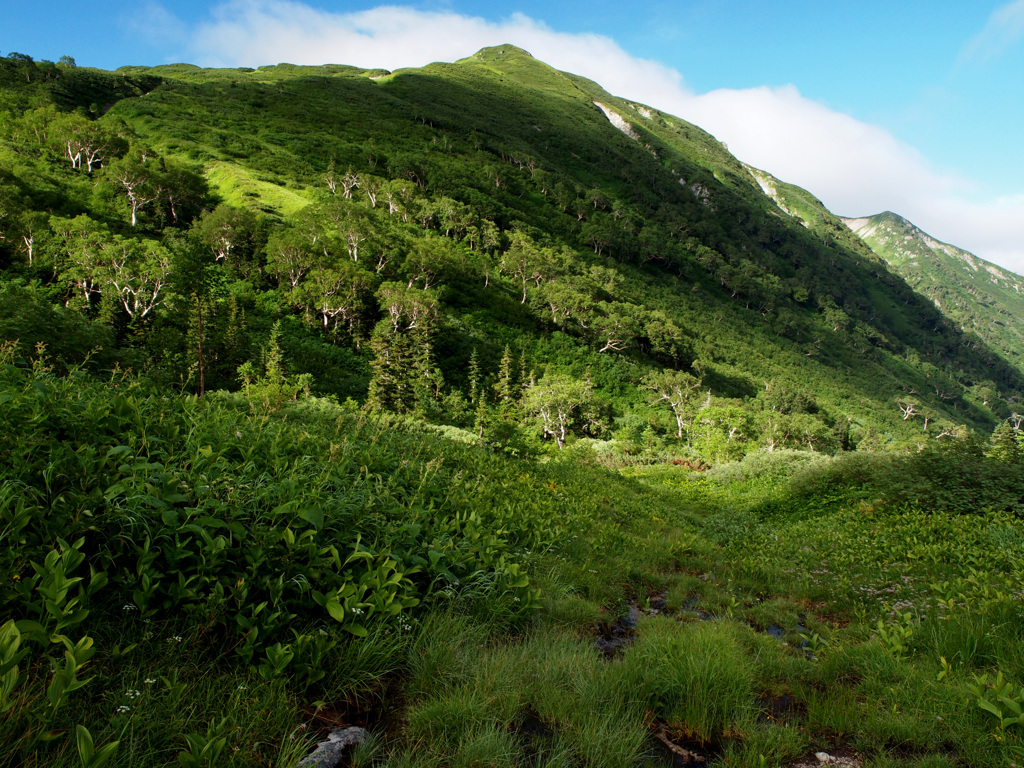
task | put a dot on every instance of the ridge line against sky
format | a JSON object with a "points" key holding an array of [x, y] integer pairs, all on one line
{"points": [[937, 92]]}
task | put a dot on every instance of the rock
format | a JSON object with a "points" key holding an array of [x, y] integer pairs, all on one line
{"points": [[328, 753]]}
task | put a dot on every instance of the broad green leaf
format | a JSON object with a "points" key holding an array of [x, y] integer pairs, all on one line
{"points": [[356, 629]]}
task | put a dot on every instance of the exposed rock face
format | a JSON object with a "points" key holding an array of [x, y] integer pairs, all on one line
{"points": [[617, 120], [328, 753]]}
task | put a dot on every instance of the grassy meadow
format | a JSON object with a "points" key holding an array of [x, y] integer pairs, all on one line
{"points": [[216, 582]]}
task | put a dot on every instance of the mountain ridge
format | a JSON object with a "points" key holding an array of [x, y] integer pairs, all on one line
{"points": [[981, 296], [651, 250]]}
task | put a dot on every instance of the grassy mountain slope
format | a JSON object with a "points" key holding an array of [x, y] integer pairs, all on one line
{"points": [[982, 297], [638, 224], [201, 577]]}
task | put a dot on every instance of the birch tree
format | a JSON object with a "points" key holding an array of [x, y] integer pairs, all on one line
{"points": [[676, 389], [559, 404], [136, 273]]}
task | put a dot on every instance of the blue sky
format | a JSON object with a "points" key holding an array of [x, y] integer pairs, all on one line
{"points": [[914, 107]]}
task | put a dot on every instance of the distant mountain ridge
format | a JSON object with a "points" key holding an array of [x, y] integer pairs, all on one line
{"points": [[981, 296]]}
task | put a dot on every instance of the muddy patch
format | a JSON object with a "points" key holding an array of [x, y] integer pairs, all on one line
{"points": [[375, 714], [681, 752], [613, 637], [781, 709], [533, 733]]}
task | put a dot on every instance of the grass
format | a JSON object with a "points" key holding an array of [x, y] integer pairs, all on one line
{"points": [[756, 622], [239, 187]]}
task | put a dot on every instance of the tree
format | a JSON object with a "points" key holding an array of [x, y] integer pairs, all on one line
{"points": [[233, 235], [331, 178], [79, 253], [1005, 445], [506, 391], [136, 178], [566, 298], [522, 261], [723, 428], [290, 255], [137, 273], [86, 143], [268, 389], [405, 376], [614, 325], [336, 293], [10, 211], [432, 260], [665, 339], [908, 408], [32, 232], [182, 190], [475, 377], [676, 389], [560, 404], [407, 308]]}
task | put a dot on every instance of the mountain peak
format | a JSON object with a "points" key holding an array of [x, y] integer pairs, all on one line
{"points": [[506, 50]]}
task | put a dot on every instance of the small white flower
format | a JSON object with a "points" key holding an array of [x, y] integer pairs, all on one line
{"points": [[122, 709], [241, 688], [149, 681], [176, 638]]}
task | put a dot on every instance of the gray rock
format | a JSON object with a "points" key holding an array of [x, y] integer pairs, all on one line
{"points": [[328, 753]]}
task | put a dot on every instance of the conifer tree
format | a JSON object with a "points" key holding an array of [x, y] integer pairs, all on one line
{"points": [[1005, 446], [504, 387], [474, 376]]}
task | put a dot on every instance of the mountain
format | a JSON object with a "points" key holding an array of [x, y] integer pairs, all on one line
{"points": [[984, 299], [398, 231]]}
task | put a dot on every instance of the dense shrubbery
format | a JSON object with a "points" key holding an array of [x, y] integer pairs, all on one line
{"points": [[394, 227], [441, 334]]}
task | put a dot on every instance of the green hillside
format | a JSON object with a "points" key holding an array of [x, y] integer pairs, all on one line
{"points": [[984, 299], [510, 422], [514, 205]]}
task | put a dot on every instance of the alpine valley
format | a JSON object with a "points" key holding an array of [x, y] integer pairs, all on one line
{"points": [[504, 420]]}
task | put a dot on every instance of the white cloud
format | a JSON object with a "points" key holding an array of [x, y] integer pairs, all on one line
{"points": [[853, 167], [155, 24], [1004, 28]]}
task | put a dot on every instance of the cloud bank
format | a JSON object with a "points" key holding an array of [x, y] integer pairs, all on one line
{"points": [[855, 168]]}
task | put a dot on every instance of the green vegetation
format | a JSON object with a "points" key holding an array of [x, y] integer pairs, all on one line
{"points": [[980, 296], [213, 581], [343, 397]]}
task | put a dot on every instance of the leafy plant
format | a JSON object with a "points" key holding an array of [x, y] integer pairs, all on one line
{"points": [[997, 696]]}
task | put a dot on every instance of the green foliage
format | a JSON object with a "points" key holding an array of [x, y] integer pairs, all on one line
{"points": [[997, 697], [698, 679], [478, 254], [1005, 444], [269, 389], [626, 253], [562, 406]]}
